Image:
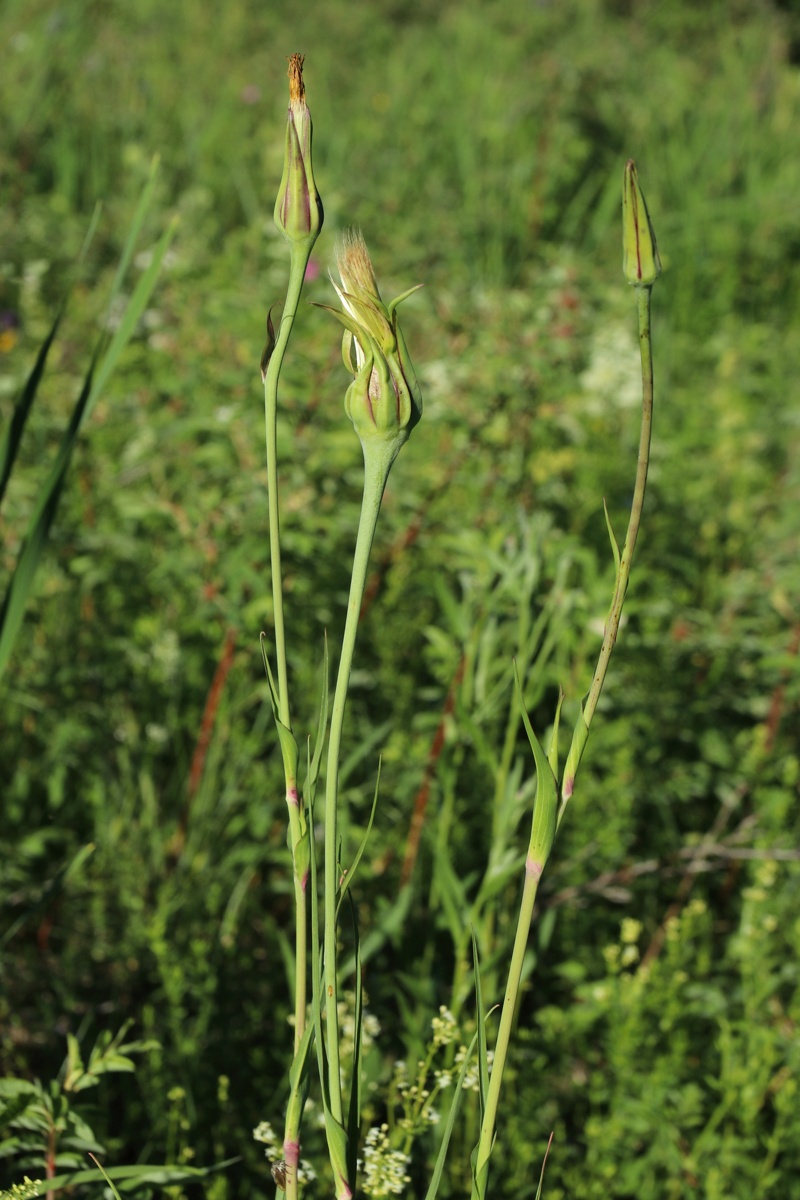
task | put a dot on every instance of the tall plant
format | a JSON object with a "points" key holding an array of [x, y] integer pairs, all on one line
{"points": [[384, 404]]}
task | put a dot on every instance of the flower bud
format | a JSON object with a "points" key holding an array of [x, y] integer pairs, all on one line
{"points": [[298, 209], [384, 400], [640, 262]]}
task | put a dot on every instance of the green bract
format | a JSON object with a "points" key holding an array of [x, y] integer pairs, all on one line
{"points": [[384, 400], [298, 209], [640, 262]]}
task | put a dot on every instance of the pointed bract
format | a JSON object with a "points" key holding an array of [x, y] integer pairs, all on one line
{"points": [[298, 209], [384, 399], [640, 262]]}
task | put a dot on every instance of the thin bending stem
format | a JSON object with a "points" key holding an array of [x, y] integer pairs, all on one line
{"points": [[533, 872], [533, 865], [297, 270], [376, 471], [623, 573]]}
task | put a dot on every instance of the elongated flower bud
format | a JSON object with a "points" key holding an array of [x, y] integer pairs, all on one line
{"points": [[298, 209], [640, 262], [384, 400]]}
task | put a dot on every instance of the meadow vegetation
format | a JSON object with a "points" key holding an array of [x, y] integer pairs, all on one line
{"points": [[144, 869]]}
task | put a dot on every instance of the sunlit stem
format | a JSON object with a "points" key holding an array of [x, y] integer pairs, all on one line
{"points": [[626, 558], [533, 873], [378, 458], [299, 256], [297, 270]]}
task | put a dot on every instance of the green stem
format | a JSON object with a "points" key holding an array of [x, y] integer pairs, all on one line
{"points": [[299, 256], [297, 271], [534, 864], [378, 458], [623, 572], [533, 872]]}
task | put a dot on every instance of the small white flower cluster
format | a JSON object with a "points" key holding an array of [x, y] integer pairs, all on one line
{"points": [[444, 1028], [415, 1097], [264, 1132], [385, 1170]]}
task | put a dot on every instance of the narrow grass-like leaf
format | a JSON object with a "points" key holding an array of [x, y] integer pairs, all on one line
{"points": [[298, 1083], [289, 749], [354, 1109], [99, 373], [21, 581], [131, 1179], [544, 1164], [312, 772], [612, 538], [335, 1133], [22, 408], [479, 1179], [452, 893], [348, 877], [131, 316], [133, 233], [545, 809], [441, 1157], [552, 753], [367, 743], [106, 1177], [580, 736], [483, 1057]]}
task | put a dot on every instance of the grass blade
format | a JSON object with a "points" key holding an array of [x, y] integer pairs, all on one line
{"points": [[441, 1157], [21, 582], [22, 408]]}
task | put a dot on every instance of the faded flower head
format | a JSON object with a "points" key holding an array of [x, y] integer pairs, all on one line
{"points": [[298, 209], [384, 399]]}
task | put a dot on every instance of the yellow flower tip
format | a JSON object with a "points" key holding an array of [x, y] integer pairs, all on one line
{"points": [[355, 266], [297, 91], [641, 264]]}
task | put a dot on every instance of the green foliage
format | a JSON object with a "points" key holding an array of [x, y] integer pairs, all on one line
{"points": [[143, 855], [41, 1127]]}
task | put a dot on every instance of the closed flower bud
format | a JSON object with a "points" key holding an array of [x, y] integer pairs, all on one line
{"points": [[640, 262], [298, 209], [384, 400]]}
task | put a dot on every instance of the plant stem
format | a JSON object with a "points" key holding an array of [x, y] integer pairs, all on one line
{"points": [[297, 269], [623, 572], [299, 256], [534, 863], [377, 463], [533, 873]]}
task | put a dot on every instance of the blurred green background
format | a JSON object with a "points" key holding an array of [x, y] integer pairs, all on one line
{"points": [[480, 147]]}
